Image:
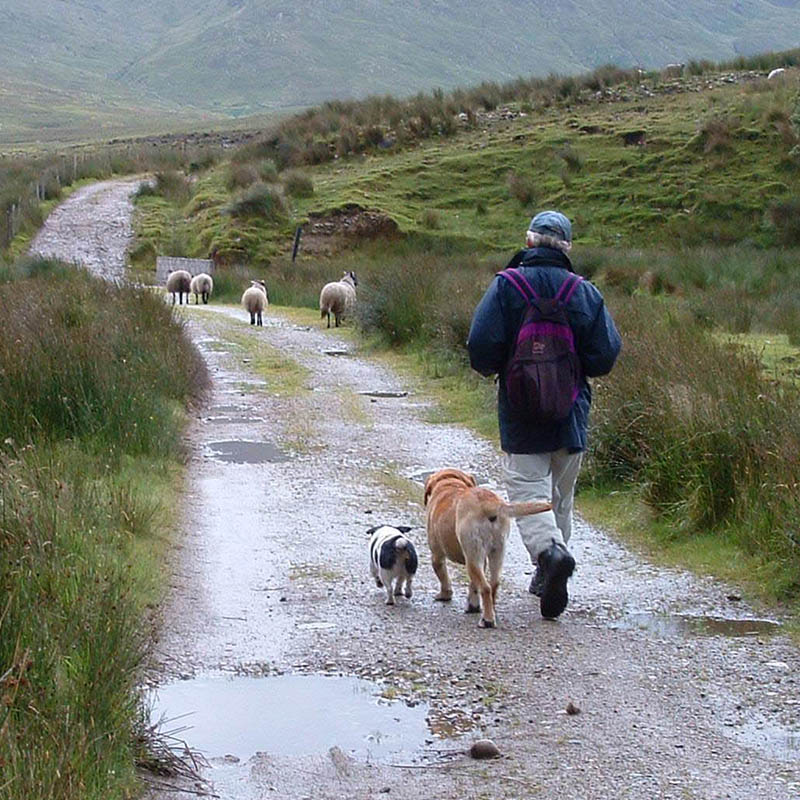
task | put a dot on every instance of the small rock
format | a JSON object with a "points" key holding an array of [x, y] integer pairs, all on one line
{"points": [[734, 598], [484, 748], [572, 708]]}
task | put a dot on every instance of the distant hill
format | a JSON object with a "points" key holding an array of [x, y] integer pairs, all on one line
{"points": [[237, 57]]}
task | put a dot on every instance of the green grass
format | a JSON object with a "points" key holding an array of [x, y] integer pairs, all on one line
{"points": [[667, 193], [90, 468], [284, 376]]}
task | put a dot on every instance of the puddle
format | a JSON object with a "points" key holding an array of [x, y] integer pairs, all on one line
{"points": [[289, 715], [382, 393], [228, 419], [684, 624], [229, 409], [242, 452]]}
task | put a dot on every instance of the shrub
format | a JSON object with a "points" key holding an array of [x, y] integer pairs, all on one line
{"points": [[695, 422], [259, 201], [241, 175], [298, 184], [268, 171], [396, 303], [173, 186], [785, 216], [521, 188], [431, 219], [89, 421], [572, 158], [716, 135]]}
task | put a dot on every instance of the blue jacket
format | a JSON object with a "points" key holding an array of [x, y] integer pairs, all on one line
{"points": [[494, 329]]}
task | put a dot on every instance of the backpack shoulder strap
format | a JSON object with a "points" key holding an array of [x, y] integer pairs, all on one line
{"points": [[567, 289], [520, 283]]}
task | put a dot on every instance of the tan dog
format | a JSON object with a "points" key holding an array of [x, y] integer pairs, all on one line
{"points": [[469, 525]]}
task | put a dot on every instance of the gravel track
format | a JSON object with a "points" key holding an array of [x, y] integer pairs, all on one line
{"points": [[269, 577]]}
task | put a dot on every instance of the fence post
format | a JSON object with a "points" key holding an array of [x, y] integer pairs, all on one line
{"points": [[296, 247]]}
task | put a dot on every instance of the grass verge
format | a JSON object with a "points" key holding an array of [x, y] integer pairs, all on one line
{"points": [[91, 422]]}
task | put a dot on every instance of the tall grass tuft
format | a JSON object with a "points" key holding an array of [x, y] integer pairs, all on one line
{"points": [[259, 200], [94, 380], [715, 445], [94, 374]]}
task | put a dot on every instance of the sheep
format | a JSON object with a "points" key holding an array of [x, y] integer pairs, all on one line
{"points": [[179, 281], [255, 300], [776, 73], [338, 298], [202, 284]]}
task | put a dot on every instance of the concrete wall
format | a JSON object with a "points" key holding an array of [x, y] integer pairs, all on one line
{"points": [[167, 264]]}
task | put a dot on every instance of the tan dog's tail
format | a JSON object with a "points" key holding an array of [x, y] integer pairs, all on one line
{"points": [[524, 509]]}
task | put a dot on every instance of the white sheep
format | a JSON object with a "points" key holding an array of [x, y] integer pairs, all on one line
{"points": [[338, 297], [255, 300], [202, 284], [179, 281], [776, 73]]}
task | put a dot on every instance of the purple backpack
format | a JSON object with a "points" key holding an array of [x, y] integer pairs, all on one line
{"points": [[543, 375]]}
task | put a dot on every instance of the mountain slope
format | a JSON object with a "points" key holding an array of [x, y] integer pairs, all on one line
{"points": [[241, 56]]}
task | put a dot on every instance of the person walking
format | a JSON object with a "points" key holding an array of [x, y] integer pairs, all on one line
{"points": [[543, 405]]}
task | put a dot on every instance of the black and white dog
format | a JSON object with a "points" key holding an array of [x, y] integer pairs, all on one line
{"points": [[392, 556]]}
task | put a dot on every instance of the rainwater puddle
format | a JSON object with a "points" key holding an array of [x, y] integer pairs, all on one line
{"points": [[384, 393], [229, 409], [224, 420], [242, 452], [289, 715], [682, 625]]}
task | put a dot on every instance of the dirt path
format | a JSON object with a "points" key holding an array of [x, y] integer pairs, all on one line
{"points": [[92, 227], [277, 641]]}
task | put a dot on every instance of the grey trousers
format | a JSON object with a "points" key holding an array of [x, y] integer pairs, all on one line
{"points": [[543, 476]]}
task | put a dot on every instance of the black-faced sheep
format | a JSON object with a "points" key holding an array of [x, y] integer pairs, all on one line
{"points": [[255, 300], [179, 281], [202, 284], [338, 298]]}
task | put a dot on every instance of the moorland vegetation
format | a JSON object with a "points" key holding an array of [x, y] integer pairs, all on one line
{"points": [[684, 193], [96, 381]]}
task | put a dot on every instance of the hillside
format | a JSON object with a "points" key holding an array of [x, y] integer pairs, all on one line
{"points": [[236, 57], [694, 161]]}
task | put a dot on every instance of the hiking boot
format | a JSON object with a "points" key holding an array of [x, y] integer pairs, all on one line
{"points": [[537, 582], [556, 565]]}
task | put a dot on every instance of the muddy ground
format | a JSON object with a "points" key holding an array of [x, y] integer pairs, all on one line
{"points": [[301, 683]]}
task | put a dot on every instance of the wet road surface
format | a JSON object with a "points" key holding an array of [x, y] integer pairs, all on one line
{"points": [[682, 692]]}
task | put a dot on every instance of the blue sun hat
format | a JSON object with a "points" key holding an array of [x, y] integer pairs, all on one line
{"points": [[552, 223]]}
